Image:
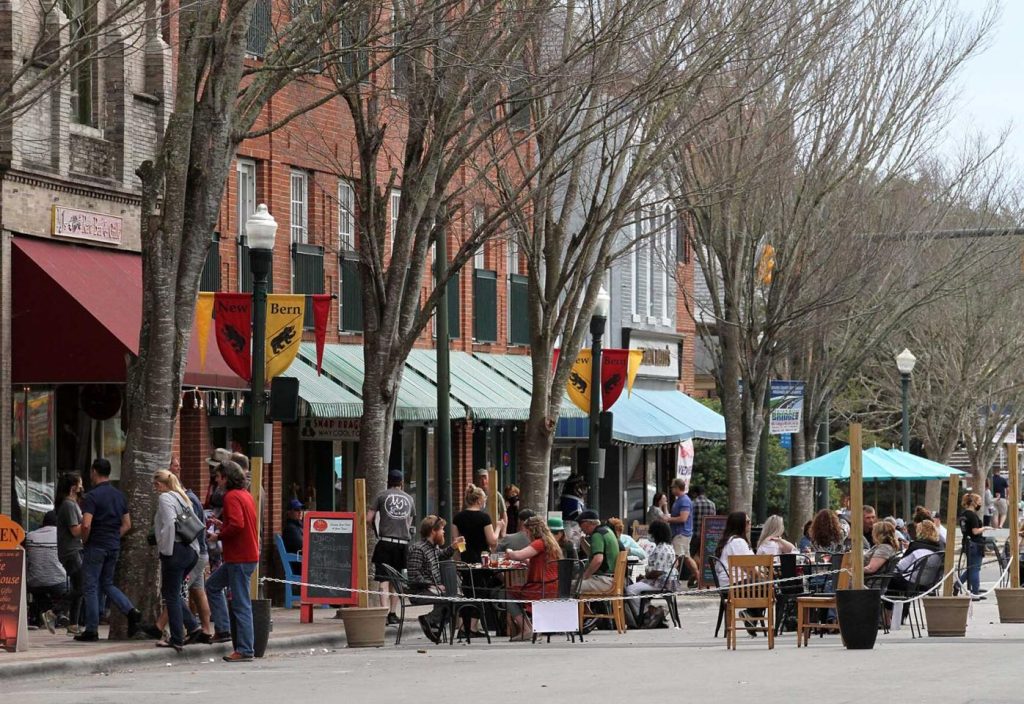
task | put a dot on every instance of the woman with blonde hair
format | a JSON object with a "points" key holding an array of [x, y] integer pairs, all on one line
{"points": [[771, 541], [543, 554], [885, 547], [176, 557], [473, 523], [973, 530]]}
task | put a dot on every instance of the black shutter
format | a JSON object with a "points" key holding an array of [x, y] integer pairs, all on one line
{"points": [[351, 302], [307, 275], [259, 29], [210, 279], [485, 305], [454, 316], [518, 310]]}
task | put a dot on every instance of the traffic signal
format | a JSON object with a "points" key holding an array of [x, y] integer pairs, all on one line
{"points": [[766, 265]]}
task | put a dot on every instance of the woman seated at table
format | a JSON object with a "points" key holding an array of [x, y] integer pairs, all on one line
{"points": [[543, 554], [926, 543], [806, 544], [735, 541], [660, 575], [771, 541], [885, 546], [473, 524], [826, 533]]}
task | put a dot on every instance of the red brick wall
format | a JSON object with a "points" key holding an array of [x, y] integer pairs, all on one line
{"points": [[685, 323]]}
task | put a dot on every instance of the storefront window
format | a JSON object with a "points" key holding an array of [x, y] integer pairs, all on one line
{"points": [[108, 441], [412, 454], [431, 506], [32, 455]]}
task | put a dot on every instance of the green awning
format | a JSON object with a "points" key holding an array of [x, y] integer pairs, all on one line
{"points": [[485, 393], [518, 368], [417, 397], [323, 396]]}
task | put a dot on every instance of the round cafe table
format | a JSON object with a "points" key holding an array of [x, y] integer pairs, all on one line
{"points": [[480, 579]]}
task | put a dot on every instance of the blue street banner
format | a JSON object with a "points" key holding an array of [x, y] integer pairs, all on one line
{"points": [[787, 405], [786, 441]]}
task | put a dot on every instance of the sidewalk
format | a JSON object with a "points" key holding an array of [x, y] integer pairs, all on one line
{"points": [[60, 654]]}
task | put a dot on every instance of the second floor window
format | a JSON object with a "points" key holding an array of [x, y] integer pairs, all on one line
{"points": [[396, 204], [245, 175], [346, 217], [300, 208], [479, 216]]}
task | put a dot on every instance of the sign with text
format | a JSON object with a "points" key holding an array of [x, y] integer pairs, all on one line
{"points": [[711, 530], [787, 406], [328, 558], [11, 533], [684, 460], [13, 601], [329, 429], [85, 225], [660, 356]]}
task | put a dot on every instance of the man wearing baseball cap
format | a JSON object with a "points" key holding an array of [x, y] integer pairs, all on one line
{"points": [[291, 532], [394, 514]]}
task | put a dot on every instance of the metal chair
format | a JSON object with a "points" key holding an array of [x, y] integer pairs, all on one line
{"points": [[789, 590], [400, 586], [723, 595], [664, 592], [450, 582], [922, 574], [570, 580]]}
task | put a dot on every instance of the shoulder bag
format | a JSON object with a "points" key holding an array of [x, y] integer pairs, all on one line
{"points": [[187, 526]]}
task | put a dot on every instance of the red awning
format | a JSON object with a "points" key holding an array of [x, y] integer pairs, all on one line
{"points": [[76, 313]]}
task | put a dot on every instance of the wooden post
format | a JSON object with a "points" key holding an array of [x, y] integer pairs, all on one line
{"points": [[492, 496], [362, 562], [255, 482], [856, 507], [952, 500], [1011, 504]]}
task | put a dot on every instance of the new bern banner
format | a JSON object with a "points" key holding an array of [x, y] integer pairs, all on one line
{"points": [[284, 330], [321, 313], [204, 316], [787, 405], [618, 371], [233, 316]]}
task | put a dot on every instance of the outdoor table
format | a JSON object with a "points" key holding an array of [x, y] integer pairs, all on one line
{"points": [[511, 575]]}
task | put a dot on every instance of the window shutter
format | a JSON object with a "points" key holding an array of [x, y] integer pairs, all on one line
{"points": [[454, 316], [518, 316], [485, 305], [210, 279], [307, 275], [259, 29], [351, 302]]}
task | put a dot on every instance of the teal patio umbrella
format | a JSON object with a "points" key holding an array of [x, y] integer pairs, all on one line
{"points": [[879, 465], [922, 467]]}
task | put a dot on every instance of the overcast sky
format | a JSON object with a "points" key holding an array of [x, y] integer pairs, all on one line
{"points": [[992, 85]]}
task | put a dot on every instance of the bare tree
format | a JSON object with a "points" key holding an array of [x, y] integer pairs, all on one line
{"points": [[839, 119]]}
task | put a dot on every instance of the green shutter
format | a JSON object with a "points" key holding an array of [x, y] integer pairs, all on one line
{"points": [[518, 310], [351, 296], [485, 305], [307, 275], [259, 29], [210, 279], [454, 317]]}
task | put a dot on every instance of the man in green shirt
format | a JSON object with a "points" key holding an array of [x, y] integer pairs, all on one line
{"points": [[604, 552]]}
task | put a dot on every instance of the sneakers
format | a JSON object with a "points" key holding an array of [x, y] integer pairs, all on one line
{"points": [[49, 620], [238, 657], [87, 637], [74, 629], [221, 637], [432, 633], [392, 619], [134, 619]]}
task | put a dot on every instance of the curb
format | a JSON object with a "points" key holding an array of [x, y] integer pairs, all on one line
{"points": [[100, 664]]}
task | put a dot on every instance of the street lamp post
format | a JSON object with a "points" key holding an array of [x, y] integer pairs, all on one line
{"points": [[597, 325], [905, 362], [260, 230]]}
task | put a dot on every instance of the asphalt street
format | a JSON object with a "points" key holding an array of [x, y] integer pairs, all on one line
{"points": [[608, 667]]}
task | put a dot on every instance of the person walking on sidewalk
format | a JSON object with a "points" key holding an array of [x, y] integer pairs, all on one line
{"points": [[395, 515], [105, 519], [176, 557], [69, 543], [239, 538]]}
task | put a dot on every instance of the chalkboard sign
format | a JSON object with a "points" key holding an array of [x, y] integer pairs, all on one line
{"points": [[711, 530], [328, 557]]}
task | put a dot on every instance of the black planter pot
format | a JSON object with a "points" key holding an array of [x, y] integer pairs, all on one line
{"points": [[262, 625], [858, 617]]}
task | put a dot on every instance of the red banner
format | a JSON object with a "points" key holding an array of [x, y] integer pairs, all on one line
{"points": [[614, 371], [321, 312], [232, 313]]}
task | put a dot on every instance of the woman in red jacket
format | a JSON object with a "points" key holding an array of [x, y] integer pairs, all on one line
{"points": [[543, 554], [240, 545]]}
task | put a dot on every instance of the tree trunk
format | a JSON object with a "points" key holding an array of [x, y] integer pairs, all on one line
{"points": [[535, 474], [801, 490], [932, 494]]}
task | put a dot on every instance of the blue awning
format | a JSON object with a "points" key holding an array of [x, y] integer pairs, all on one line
{"points": [[637, 422], [704, 423]]}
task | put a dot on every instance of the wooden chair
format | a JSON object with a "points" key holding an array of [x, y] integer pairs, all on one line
{"points": [[750, 587], [618, 611], [805, 605], [291, 566]]}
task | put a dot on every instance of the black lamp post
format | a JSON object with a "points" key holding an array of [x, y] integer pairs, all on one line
{"points": [[260, 230], [597, 326], [905, 362]]}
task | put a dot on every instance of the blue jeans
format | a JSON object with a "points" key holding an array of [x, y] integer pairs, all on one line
{"points": [[98, 576], [173, 570], [972, 576], [235, 576]]}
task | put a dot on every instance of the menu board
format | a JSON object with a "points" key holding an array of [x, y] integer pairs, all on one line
{"points": [[328, 558], [711, 530], [13, 627]]}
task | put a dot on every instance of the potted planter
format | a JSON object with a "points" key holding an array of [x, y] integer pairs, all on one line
{"points": [[946, 615], [364, 627], [858, 611], [1011, 605]]}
